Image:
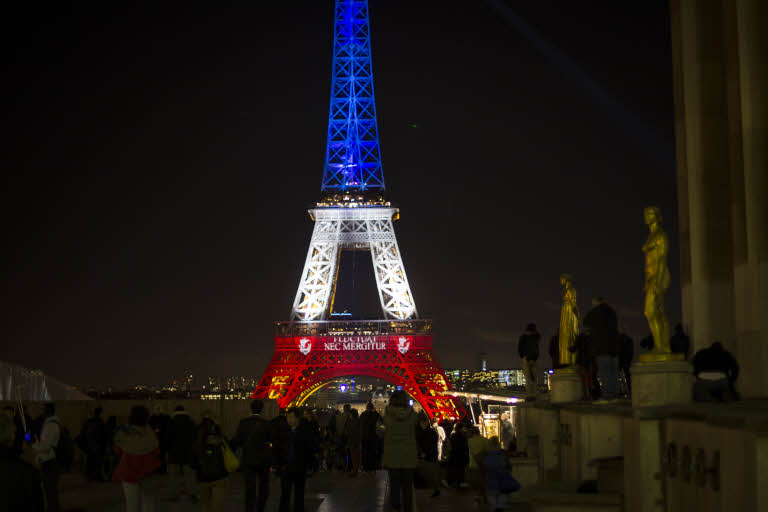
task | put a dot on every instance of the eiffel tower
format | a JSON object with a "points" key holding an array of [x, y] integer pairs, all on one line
{"points": [[354, 214]]}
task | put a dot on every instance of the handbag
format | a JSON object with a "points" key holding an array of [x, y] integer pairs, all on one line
{"points": [[231, 462], [507, 483]]}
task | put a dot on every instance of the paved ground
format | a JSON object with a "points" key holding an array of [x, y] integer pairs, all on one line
{"points": [[326, 492], [80, 495]]}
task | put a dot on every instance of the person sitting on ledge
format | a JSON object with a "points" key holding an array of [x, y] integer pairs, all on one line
{"points": [[716, 370], [647, 343], [680, 343]]}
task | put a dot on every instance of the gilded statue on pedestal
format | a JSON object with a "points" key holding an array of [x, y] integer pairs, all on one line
{"points": [[569, 322], [657, 278]]}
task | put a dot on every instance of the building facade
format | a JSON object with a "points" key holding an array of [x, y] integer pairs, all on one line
{"points": [[720, 68]]}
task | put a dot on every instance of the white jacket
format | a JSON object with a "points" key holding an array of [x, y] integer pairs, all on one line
{"points": [[49, 440], [440, 433]]}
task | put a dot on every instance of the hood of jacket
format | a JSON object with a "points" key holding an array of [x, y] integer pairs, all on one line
{"points": [[52, 419], [136, 440], [399, 413]]}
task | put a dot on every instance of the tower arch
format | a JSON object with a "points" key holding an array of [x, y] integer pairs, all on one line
{"points": [[309, 355]]}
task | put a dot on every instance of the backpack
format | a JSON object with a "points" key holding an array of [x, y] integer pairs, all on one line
{"points": [[211, 461], [65, 448]]}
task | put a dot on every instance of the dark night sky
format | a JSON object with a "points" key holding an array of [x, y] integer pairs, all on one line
{"points": [[161, 160]]}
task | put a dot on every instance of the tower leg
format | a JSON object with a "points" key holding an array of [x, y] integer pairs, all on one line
{"points": [[394, 291], [313, 297]]}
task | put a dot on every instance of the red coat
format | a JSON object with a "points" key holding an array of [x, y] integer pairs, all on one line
{"points": [[139, 456], [135, 468]]}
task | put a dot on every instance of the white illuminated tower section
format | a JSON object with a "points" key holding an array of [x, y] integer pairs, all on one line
{"points": [[353, 226]]}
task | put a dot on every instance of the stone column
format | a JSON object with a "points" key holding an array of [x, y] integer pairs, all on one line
{"points": [[761, 471], [741, 278], [658, 383], [682, 169], [752, 33], [565, 386], [701, 99], [651, 490]]}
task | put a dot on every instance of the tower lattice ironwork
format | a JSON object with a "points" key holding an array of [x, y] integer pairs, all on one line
{"points": [[353, 157], [353, 214]]}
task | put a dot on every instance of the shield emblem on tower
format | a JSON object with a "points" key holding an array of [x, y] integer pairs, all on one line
{"points": [[403, 344], [305, 345]]}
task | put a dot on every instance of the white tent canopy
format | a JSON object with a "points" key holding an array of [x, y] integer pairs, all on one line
{"points": [[33, 385]]}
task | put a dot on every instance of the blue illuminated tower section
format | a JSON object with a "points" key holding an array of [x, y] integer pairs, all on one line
{"points": [[353, 156]]}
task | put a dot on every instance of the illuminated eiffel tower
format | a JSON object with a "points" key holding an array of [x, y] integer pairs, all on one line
{"points": [[354, 214]]}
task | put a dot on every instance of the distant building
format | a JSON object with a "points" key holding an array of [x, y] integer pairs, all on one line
{"points": [[468, 379]]}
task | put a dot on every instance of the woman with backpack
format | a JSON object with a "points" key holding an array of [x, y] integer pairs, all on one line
{"points": [[499, 482], [208, 454], [400, 457], [352, 435], [111, 459], [139, 452]]}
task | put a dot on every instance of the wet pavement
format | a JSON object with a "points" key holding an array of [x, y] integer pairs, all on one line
{"points": [[326, 492]]}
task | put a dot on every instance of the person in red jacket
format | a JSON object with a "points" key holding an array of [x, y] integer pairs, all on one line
{"points": [[139, 452]]}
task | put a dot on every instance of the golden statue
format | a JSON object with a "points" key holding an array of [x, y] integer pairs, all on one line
{"points": [[657, 279], [569, 322]]}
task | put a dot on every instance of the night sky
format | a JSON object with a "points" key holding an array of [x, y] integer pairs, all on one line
{"points": [[160, 162]]}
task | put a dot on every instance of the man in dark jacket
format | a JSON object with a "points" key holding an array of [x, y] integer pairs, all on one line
{"points": [[528, 349], [458, 460], [295, 452], [585, 363], [554, 351], [370, 441], [94, 439], [181, 440], [253, 438], [159, 423], [507, 433], [428, 468], [716, 371], [603, 327], [18, 441], [19, 481]]}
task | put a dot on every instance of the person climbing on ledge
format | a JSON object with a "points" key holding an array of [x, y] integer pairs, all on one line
{"points": [[716, 371]]}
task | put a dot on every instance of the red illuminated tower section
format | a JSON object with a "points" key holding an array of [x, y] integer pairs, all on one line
{"points": [[309, 354], [354, 214]]}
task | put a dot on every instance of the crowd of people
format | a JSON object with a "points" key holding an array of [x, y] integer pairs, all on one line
{"points": [[603, 354], [27, 486], [196, 460], [199, 459]]}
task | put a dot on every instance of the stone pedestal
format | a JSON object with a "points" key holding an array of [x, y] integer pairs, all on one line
{"points": [[565, 386], [661, 383]]}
